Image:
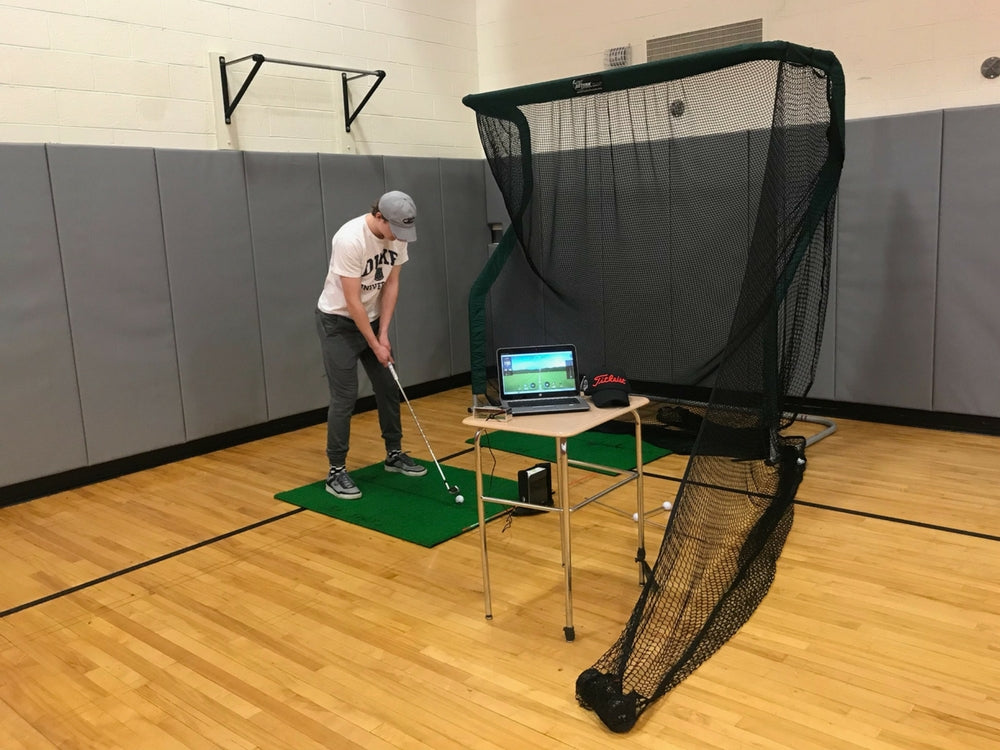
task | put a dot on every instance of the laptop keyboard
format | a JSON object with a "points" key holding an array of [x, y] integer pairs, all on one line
{"points": [[553, 402]]}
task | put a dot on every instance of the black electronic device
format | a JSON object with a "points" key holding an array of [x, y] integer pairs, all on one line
{"points": [[534, 485]]}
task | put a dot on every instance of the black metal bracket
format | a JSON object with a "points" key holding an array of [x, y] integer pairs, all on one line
{"points": [[229, 106]]}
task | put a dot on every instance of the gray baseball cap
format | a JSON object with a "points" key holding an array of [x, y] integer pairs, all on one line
{"points": [[401, 213]]}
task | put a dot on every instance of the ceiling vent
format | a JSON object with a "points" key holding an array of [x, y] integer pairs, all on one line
{"points": [[744, 32]]}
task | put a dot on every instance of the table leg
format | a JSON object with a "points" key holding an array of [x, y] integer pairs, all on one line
{"points": [[640, 499], [562, 464], [487, 602]]}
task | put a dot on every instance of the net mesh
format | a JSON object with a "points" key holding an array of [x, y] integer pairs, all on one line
{"points": [[673, 220]]}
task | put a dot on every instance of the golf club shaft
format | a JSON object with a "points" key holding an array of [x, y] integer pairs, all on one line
{"points": [[417, 423]]}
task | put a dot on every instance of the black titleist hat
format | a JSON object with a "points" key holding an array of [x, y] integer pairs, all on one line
{"points": [[608, 389]]}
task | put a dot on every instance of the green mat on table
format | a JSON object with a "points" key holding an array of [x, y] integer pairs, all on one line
{"points": [[607, 449], [415, 509]]}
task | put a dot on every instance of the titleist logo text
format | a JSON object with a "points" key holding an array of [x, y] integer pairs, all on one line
{"points": [[602, 379]]}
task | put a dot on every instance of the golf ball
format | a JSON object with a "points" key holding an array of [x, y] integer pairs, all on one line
{"points": [[667, 505], [459, 499], [635, 517]]}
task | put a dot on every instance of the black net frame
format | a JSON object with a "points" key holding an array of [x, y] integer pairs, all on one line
{"points": [[675, 222]]}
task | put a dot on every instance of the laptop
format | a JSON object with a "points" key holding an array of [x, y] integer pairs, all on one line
{"points": [[539, 379]]}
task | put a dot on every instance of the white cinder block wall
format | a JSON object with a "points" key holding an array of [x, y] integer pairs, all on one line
{"points": [[898, 55], [145, 72]]}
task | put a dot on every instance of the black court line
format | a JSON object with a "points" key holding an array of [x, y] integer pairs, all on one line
{"points": [[848, 511], [906, 521], [145, 564], [258, 524], [161, 558], [820, 506], [456, 454], [833, 508]]}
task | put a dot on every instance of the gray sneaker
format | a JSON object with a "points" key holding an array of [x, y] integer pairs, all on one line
{"points": [[400, 463], [339, 483]]}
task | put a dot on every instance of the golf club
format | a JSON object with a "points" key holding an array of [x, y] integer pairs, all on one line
{"points": [[453, 489]]}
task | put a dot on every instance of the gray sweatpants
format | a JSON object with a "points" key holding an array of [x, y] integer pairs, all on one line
{"points": [[343, 345]]}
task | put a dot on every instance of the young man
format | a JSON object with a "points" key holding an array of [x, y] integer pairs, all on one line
{"points": [[352, 319]]}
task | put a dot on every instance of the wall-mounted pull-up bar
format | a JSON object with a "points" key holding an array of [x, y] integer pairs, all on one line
{"points": [[258, 60]]}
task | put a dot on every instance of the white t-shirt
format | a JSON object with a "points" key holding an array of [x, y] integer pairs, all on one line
{"points": [[359, 254]]}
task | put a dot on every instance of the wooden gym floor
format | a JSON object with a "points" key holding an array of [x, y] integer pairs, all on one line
{"points": [[184, 607]]}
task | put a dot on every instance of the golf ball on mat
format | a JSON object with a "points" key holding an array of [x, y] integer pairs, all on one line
{"points": [[459, 499]]}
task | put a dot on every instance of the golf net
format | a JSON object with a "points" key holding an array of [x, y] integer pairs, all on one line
{"points": [[674, 221]]}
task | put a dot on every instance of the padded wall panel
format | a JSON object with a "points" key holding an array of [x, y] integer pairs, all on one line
{"points": [[887, 261], [466, 238], [967, 337], [516, 310], [824, 385], [206, 230], [496, 211], [41, 425], [111, 239], [421, 342], [690, 335], [290, 262], [350, 184], [717, 205]]}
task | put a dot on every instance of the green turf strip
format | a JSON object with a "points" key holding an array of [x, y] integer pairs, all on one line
{"points": [[415, 509], [606, 449]]}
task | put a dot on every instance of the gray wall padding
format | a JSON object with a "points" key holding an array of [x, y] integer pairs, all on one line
{"points": [[41, 426], [466, 238], [887, 261], [110, 234], [107, 251], [714, 215], [290, 252], [350, 185], [206, 230], [967, 337], [515, 299], [684, 331], [421, 343], [496, 211], [826, 367]]}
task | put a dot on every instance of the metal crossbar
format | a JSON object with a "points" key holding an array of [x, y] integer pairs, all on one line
{"points": [[229, 106]]}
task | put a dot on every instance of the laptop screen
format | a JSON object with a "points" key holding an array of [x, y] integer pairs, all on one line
{"points": [[530, 372]]}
